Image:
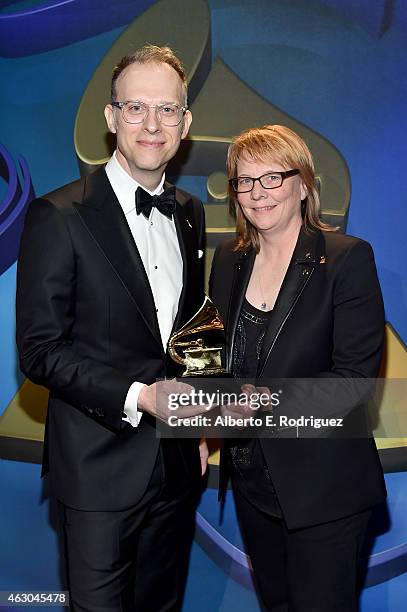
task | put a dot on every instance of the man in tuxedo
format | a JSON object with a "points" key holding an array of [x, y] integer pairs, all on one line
{"points": [[109, 266]]}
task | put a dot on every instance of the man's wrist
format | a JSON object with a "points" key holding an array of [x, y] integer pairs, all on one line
{"points": [[131, 412], [141, 400]]}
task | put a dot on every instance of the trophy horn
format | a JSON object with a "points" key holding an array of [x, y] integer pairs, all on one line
{"points": [[190, 338]]}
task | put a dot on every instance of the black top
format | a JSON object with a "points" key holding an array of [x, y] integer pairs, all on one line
{"points": [[250, 475], [251, 328]]}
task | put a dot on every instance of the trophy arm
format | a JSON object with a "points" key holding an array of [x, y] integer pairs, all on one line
{"points": [[173, 352]]}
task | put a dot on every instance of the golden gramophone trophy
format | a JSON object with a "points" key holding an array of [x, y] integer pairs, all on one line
{"points": [[199, 344]]}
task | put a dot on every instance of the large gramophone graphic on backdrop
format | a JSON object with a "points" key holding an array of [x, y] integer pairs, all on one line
{"points": [[222, 105]]}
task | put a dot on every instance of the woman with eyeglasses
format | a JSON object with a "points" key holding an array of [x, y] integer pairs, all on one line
{"points": [[301, 303]]}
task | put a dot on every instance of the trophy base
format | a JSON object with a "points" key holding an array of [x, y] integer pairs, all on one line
{"points": [[214, 372]]}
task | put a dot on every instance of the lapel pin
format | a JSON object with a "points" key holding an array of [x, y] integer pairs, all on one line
{"points": [[322, 260], [189, 224]]}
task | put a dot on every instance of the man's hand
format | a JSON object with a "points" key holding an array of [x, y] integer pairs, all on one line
{"points": [[204, 454], [159, 399]]}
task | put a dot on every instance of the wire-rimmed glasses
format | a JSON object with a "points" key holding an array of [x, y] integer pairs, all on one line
{"points": [[136, 111]]}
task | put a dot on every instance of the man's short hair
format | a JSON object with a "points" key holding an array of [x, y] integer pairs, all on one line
{"points": [[144, 55]]}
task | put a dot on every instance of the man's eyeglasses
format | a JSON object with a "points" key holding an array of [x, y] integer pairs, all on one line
{"points": [[270, 180], [135, 112]]}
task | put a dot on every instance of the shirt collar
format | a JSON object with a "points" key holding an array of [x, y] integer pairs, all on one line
{"points": [[125, 186]]}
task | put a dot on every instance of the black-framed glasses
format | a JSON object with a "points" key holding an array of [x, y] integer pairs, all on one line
{"points": [[135, 112], [270, 180]]}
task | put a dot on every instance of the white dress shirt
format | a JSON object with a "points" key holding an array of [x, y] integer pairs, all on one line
{"points": [[157, 242]]}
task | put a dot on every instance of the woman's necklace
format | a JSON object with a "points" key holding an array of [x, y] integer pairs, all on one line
{"points": [[263, 304]]}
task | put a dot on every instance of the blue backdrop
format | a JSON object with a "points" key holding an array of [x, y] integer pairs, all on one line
{"points": [[337, 66]]}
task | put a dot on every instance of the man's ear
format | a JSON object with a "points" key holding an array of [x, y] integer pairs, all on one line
{"points": [[187, 123], [110, 118]]}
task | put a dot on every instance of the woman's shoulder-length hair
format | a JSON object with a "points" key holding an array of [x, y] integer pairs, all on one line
{"points": [[285, 147]]}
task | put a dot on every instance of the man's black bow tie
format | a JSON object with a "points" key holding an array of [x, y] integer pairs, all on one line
{"points": [[165, 202]]}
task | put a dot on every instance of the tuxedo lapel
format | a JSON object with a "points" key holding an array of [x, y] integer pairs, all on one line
{"points": [[187, 245], [241, 276], [104, 218], [298, 275]]}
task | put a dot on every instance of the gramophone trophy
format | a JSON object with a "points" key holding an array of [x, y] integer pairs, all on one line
{"points": [[199, 344]]}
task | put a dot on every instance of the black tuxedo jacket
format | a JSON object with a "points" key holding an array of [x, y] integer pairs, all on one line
{"points": [[87, 328], [327, 322]]}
